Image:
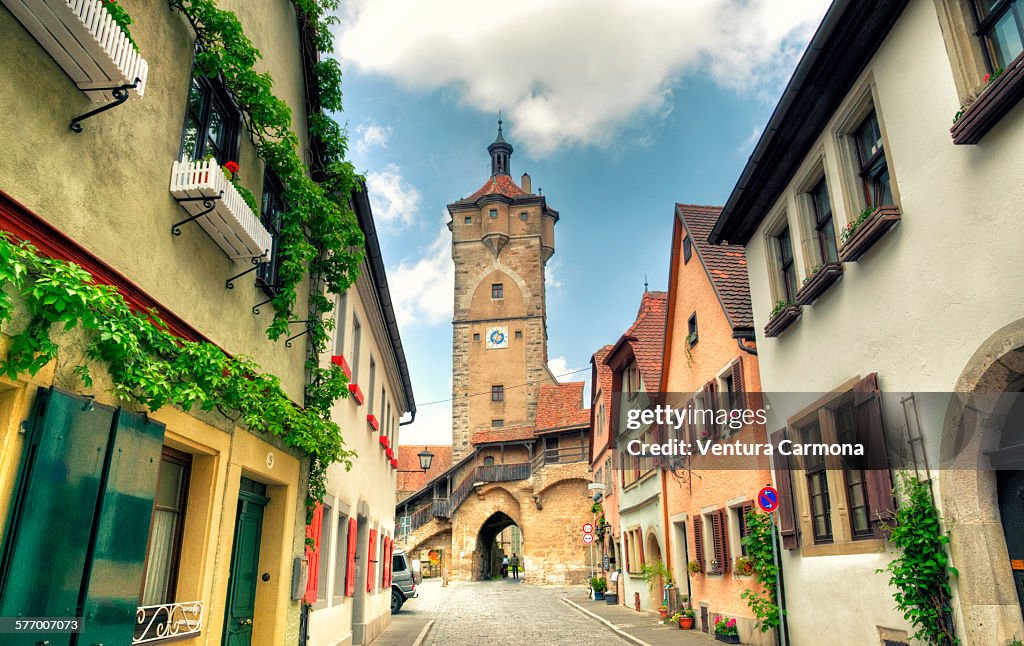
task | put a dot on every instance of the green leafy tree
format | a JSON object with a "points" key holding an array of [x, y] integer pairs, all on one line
{"points": [[760, 555]]}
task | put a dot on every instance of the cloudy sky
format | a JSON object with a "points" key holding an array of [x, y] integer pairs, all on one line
{"points": [[616, 108]]}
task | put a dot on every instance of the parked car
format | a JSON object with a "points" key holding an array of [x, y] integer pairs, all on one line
{"points": [[405, 576]]}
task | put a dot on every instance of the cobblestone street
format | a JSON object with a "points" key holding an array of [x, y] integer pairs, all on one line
{"points": [[510, 613]]}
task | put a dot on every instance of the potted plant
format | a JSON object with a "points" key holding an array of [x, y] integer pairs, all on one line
{"points": [[663, 611], [725, 631], [694, 567], [598, 585], [782, 315], [744, 566], [685, 618]]}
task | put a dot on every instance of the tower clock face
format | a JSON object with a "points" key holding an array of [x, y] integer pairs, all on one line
{"points": [[497, 337]]}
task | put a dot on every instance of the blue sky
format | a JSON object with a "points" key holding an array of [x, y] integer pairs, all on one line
{"points": [[666, 110]]}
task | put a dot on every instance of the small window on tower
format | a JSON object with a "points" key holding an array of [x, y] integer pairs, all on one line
{"points": [[476, 336], [519, 334], [497, 423], [497, 290], [497, 393], [494, 213], [524, 216], [469, 219]]}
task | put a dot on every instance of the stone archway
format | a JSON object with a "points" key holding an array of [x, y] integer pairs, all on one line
{"points": [[653, 556], [488, 556], [975, 426]]}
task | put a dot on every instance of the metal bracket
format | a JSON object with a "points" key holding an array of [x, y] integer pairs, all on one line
{"points": [[256, 307], [309, 328], [229, 284], [209, 203], [120, 94]]}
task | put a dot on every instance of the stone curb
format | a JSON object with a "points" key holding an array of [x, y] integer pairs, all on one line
{"points": [[610, 625], [423, 633]]}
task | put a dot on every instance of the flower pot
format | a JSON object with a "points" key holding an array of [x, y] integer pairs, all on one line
{"points": [[883, 219], [781, 320], [728, 639], [611, 598], [663, 612], [686, 623], [598, 596]]}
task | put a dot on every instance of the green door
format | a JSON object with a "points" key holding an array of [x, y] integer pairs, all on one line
{"points": [[245, 556]]}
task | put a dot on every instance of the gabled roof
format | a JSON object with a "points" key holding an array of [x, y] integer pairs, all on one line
{"points": [[646, 337], [410, 477], [726, 265], [513, 433], [560, 406]]}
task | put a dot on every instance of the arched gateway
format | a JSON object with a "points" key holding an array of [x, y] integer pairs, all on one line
{"points": [[520, 439]]}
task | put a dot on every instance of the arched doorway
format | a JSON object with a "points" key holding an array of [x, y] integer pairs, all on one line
{"points": [[982, 493], [657, 585], [499, 536]]}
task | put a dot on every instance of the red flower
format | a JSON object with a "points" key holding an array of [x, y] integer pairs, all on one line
{"points": [[231, 167], [987, 77]]}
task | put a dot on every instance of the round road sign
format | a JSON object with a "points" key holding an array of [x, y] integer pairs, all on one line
{"points": [[768, 499]]}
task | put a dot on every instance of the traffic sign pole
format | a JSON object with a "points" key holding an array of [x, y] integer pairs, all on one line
{"points": [[778, 580]]}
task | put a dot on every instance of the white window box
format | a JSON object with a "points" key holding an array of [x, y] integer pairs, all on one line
{"points": [[202, 186], [83, 39]]}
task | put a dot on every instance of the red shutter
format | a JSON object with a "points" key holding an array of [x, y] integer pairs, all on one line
{"points": [[867, 415], [716, 541], [313, 553], [350, 566], [737, 385], [786, 512], [723, 521], [640, 544], [385, 579], [371, 560], [698, 542], [625, 549]]}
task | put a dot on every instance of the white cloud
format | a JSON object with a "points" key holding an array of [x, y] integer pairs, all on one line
{"points": [[577, 71], [560, 366], [371, 135], [394, 200], [423, 288], [551, 273], [748, 144]]}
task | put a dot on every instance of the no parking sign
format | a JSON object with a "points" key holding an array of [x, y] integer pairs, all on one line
{"points": [[768, 499]]}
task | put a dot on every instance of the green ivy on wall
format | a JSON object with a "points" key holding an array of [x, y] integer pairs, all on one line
{"points": [[319, 230], [921, 572], [152, 367], [760, 556]]}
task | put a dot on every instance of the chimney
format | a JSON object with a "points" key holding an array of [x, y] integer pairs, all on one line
{"points": [[526, 183]]}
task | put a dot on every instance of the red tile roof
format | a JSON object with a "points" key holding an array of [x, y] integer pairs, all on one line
{"points": [[604, 378], [560, 406], [646, 337], [497, 185], [726, 265], [502, 434], [409, 460]]}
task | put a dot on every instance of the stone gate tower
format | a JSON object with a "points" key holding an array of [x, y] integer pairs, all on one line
{"points": [[502, 237]]}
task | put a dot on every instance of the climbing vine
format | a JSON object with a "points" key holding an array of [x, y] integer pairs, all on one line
{"points": [[319, 232], [920, 573], [151, 366], [760, 557]]}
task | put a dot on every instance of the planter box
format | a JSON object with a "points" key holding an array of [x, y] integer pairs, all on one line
{"points": [[819, 282], [83, 39], [231, 223], [357, 393], [869, 232], [390, 453], [339, 360], [394, 463], [598, 596], [994, 102], [371, 420], [782, 319], [611, 598], [383, 439], [728, 639]]}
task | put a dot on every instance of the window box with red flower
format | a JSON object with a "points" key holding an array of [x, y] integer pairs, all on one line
{"points": [[726, 631], [224, 209], [820, 279], [90, 40], [371, 421], [357, 393], [983, 109], [859, 236]]}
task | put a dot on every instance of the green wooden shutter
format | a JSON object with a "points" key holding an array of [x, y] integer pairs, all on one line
{"points": [[114, 577], [47, 539]]}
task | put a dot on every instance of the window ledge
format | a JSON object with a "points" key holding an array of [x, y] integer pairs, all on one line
{"points": [[868, 233], [816, 284], [781, 320], [995, 101]]}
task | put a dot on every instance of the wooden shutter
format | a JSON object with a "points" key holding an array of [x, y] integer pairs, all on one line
{"points": [[739, 396], [867, 417], [786, 513], [716, 540], [698, 542], [723, 516], [711, 403], [371, 560], [625, 550], [313, 555], [350, 564], [640, 546]]}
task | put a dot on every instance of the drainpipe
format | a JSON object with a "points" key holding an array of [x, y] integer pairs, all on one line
{"points": [[745, 335]]}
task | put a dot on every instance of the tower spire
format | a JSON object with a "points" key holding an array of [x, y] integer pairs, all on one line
{"points": [[500, 152]]}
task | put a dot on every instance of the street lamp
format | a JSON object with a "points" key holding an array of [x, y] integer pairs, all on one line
{"points": [[426, 457]]}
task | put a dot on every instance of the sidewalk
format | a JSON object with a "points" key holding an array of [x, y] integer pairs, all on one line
{"points": [[640, 628], [415, 620]]}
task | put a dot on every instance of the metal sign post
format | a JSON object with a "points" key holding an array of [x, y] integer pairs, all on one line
{"points": [[778, 581]]}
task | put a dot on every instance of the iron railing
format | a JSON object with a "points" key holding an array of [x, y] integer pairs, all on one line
{"points": [[168, 621], [564, 455]]}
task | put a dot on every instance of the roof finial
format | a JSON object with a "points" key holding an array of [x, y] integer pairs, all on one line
{"points": [[645, 283], [499, 121]]}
